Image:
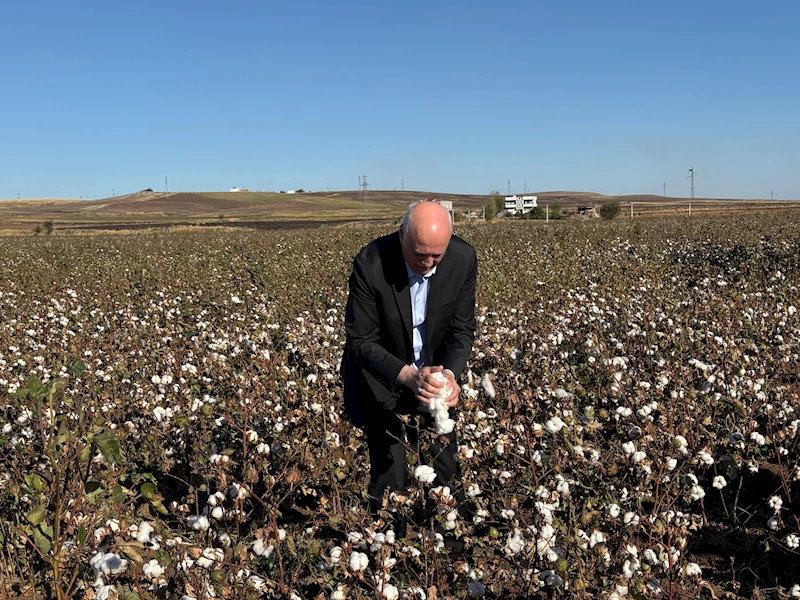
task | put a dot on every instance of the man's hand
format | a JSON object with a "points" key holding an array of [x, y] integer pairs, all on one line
{"points": [[421, 382], [455, 389], [425, 387]]}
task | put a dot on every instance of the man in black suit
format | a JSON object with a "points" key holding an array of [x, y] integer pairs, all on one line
{"points": [[410, 314]]}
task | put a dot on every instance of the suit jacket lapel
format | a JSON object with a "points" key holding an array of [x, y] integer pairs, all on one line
{"points": [[402, 295], [435, 290]]}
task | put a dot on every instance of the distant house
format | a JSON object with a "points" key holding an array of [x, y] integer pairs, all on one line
{"points": [[589, 211], [235, 189], [291, 192], [520, 204]]}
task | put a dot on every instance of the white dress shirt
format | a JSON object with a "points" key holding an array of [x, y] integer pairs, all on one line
{"points": [[419, 286]]}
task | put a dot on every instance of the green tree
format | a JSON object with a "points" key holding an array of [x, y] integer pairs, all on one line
{"points": [[609, 210], [494, 205], [555, 212], [537, 212], [48, 227]]}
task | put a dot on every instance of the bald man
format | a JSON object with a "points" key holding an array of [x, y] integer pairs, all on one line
{"points": [[410, 314]]}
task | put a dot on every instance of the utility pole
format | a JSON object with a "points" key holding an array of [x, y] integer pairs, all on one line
{"points": [[771, 195], [525, 187], [691, 175], [690, 209], [364, 197], [665, 190], [166, 184], [402, 185], [509, 187], [546, 213], [631, 209]]}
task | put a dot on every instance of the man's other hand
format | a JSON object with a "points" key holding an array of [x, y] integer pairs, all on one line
{"points": [[425, 386], [421, 382], [455, 389]]}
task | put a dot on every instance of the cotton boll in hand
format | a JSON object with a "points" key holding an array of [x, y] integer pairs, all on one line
{"points": [[438, 408]]}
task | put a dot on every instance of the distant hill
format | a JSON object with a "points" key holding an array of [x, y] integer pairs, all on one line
{"points": [[259, 209]]}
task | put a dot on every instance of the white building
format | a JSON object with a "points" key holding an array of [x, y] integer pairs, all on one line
{"points": [[235, 189], [520, 204]]}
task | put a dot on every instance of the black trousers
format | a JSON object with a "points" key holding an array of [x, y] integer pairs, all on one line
{"points": [[389, 439]]}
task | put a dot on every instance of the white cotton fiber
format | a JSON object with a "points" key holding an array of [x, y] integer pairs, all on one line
{"points": [[438, 408]]}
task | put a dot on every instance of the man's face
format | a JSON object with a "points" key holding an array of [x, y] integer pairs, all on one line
{"points": [[424, 248]]}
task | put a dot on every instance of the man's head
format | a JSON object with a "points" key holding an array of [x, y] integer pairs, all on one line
{"points": [[424, 235]]}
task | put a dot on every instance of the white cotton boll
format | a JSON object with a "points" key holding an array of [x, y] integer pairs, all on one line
{"points": [[424, 473], [262, 448], [152, 569], [697, 493], [758, 438], [105, 592], [216, 498], [693, 570], [198, 522], [473, 490], [338, 593], [631, 519], [773, 524], [775, 503], [629, 567], [638, 457], [671, 464], [358, 561], [515, 543], [251, 436], [795, 591], [719, 482], [554, 424], [597, 537], [792, 541], [680, 444], [237, 491], [143, 532], [499, 448], [438, 408], [107, 563], [217, 512], [389, 592], [612, 510], [488, 386], [705, 457], [261, 548]]}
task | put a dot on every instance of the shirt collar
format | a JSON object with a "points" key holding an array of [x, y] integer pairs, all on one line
{"points": [[412, 274]]}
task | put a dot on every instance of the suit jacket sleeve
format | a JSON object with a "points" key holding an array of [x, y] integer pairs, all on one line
{"points": [[460, 333], [363, 324]]}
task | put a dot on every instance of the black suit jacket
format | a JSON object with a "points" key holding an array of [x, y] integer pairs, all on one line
{"points": [[379, 325]]}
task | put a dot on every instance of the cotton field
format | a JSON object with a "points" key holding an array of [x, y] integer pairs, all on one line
{"points": [[172, 426]]}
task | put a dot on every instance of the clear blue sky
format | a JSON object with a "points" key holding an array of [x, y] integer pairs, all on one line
{"points": [[612, 97]]}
